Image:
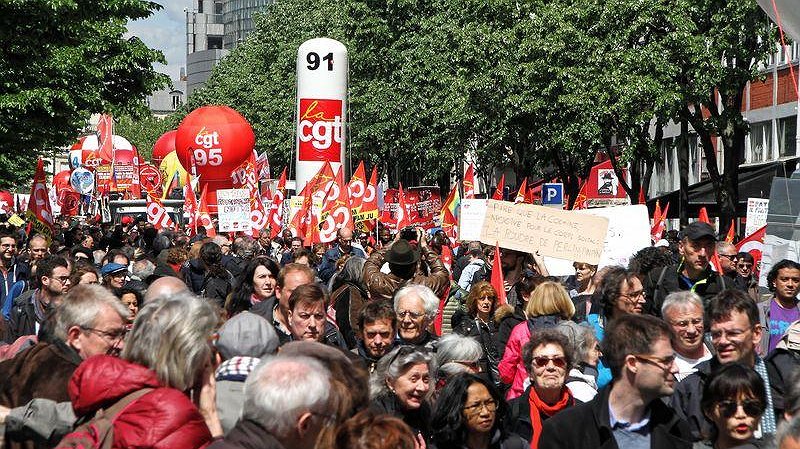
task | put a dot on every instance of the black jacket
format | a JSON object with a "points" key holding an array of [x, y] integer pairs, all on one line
{"points": [[781, 365], [656, 291], [194, 273], [331, 335], [247, 435], [419, 420], [23, 318], [589, 426], [505, 325]]}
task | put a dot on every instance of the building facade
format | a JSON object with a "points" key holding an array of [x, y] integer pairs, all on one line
{"points": [[238, 20], [204, 36]]}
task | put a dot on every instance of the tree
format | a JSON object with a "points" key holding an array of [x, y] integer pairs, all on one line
{"points": [[62, 61], [143, 131]]}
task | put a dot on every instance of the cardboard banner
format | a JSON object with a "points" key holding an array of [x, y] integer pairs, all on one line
{"points": [[424, 205], [471, 219], [234, 210], [552, 232]]}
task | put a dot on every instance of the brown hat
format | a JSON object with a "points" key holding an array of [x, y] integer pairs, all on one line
{"points": [[402, 253]]}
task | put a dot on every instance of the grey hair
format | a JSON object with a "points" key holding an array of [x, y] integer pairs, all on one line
{"points": [[143, 269], [353, 270], [454, 348], [581, 338], [81, 306], [429, 300], [392, 365], [244, 247], [789, 429], [282, 388], [170, 336], [681, 298]]}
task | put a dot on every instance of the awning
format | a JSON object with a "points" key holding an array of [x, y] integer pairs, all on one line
{"points": [[754, 182]]}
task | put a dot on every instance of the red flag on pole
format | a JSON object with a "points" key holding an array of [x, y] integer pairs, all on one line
{"points": [[275, 219], [657, 231], [497, 280], [523, 189], [498, 192], [469, 183], [204, 217], [731, 232], [157, 215], [39, 214], [402, 212], [357, 186], [753, 244], [580, 198]]}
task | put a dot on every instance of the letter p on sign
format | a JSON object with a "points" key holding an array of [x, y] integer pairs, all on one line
{"points": [[553, 194]]}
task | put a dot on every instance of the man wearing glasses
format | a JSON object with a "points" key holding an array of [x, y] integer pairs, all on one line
{"points": [[735, 335], [694, 273], [683, 311], [728, 257], [345, 246], [629, 413], [32, 307]]}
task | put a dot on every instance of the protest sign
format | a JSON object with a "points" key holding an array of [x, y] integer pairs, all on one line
{"points": [[552, 232], [756, 214], [628, 232], [471, 219], [234, 210]]}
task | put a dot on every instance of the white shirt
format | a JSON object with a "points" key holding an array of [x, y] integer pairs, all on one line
{"points": [[687, 366]]}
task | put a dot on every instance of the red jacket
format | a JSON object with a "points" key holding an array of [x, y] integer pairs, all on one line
{"points": [[162, 418]]}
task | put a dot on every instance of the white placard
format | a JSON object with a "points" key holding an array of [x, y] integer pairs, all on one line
{"points": [[628, 232], [756, 214], [234, 210], [471, 219]]}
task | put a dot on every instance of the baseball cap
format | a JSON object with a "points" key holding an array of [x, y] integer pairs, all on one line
{"points": [[698, 230], [111, 268]]}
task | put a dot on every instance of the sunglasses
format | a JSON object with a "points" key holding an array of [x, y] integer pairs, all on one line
{"points": [[751, 408], [558, 361]]}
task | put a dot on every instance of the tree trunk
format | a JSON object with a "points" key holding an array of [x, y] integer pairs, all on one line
{"points": [[683, 172]]}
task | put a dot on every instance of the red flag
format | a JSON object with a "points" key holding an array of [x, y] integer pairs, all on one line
{"points": [[203, 216], [336, 211], [498, 192], [449, 224], [157, 215], [753, 244], [191, 204], [275, 219], [642, 199], [368, 214], [402, 211], [657, 231], [469, 183], [731, 232], [532, 193], [39, 214], [105, 135], [657, 213], [437, 323], [357, 186], [703, 215], [523, 189], [580, 199], [497, 278]]}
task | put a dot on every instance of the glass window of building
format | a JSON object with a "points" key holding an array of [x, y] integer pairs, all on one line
{"points": [[760, 141], [214, 42], [787, 136]]}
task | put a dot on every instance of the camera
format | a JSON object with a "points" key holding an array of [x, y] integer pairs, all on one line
{"points": [[408, 233]]}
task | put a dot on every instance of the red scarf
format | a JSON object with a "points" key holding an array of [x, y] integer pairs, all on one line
{"points": [[538, 406]]}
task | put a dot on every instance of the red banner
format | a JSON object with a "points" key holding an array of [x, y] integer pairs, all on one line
{"points": [[423, 205]]}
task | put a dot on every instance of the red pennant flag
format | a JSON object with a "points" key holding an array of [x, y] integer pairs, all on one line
{"points": [[497, 278], [336, 211], [39, 214], [642, 199], [523, 189], [157, 215], [657, 231], [369, 204], [469, 183], [275, 219], [203, 216], [357, 186], [449, 224], [753, 244], [731, 232], [437, 323], [580, 199], [498, 192], [403, 220], [702, 215], [105, 135]]}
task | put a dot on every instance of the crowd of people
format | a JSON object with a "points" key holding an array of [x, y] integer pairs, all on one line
{"points": [[124, 336]]}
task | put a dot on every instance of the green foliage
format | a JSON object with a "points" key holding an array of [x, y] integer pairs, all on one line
{"points": [[61, 61], [143, 131]]}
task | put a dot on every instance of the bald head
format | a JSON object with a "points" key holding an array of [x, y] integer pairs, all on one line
{"points": [[345, 239], [165, 286]]}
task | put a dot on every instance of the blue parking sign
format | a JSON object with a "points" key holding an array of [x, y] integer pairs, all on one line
{"points": [[553, 194]]}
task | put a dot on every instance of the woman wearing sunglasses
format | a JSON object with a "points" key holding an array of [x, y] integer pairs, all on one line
{"points": [[734, 399], [469, 414], [547, 357]]}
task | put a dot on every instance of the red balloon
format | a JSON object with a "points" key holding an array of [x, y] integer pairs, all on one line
{"points": [[61, 180], [6, 202], [217, 139], [163, 146], [126, 156]]}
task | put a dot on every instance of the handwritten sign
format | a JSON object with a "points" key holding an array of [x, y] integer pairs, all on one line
{"points": [[471, 219], [628, 232], [756, 214], [234, 210], [552, 232]]}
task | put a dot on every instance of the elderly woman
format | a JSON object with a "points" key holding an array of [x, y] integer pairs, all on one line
{"points": [[549, 304], [402, 385], [734, 398], [256, 284], [165, 369], [481, 305], [456, 354], [416, 306], [348, 297], [547, 356], [582, 376], [469, 414]]}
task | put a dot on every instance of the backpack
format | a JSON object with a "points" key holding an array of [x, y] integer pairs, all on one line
{"points": [[98, 432]]}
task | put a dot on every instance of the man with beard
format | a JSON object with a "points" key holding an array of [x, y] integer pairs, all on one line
{"points": [[32, 307], [377, 326]]}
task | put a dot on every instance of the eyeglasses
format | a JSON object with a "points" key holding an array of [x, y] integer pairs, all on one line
{"points": [[745, 265], [751, 407], [683, 324], [61, 279], [114, 335], [635, 296], [474, 409], [414, 315], [541, 361], [665, 364], [731, 334], [729, 256]]}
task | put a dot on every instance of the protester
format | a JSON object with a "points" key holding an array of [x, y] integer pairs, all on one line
{"points": [[683, 311], [648, 259], [782, 372], [788, 435], [348, 297], [474, 263], [401, 386], [307, 319], [416, 307], [344, 245], [217, 281], [480, 325], [584, 292], [371, 430], [114, 275], [164, 286], [735, 335], [285, 407], [131, 299], [549, 304], [276, 309], [83, 273], [734, 399], [376, 327], [255, 285], [31, 308], [745, 278], [629, 413], [287, 256], [508, 317], [582, 375], [166, 357], [728, 258], [12, 270], [776, 314], [457, 354], [694, 273], [470, 413]]}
